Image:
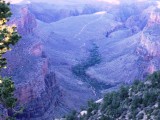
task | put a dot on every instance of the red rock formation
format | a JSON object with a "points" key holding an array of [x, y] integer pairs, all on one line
{"points": [[36, 49], [26, 23]]}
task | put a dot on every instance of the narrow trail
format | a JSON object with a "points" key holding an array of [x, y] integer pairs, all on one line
{"points": [[91, 22]]}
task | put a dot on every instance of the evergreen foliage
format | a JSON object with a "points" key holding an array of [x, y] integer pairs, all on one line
{"points": [[93, 59], [8, 38], [139, 101], [80, 69], [8, 34]]}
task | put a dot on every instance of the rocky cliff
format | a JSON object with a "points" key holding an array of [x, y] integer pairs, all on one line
{"points": [[56, 38]]}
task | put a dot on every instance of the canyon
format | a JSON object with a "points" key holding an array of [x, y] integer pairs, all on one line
{"points": [[56, 37]]}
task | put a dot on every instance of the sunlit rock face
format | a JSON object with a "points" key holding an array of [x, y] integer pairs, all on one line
{"points": [[25, 21], [58, 36]]}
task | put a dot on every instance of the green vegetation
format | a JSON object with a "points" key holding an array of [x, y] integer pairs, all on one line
{"points": [[93, 59], [8, 37], [80, 69], [72, 115], [8, 34], [138, 101]]}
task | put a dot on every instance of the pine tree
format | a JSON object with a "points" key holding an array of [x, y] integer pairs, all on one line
{"points": [[8, 38]]}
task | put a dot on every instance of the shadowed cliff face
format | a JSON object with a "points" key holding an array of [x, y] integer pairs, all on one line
{"points": [[57, 38], [36, 106], [37, 90]]}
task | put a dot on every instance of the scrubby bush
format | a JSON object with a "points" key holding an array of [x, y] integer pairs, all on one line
{"points": [[142, 97]]}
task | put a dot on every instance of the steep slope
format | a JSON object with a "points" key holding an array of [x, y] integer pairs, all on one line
{"points": [[126, 36], [139, 101], [41, 70]]}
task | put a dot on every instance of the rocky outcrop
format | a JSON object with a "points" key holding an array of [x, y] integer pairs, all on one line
{"points": [[154, 16], [36, 85], [26, 22], [41, 63], [35, 105]]}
